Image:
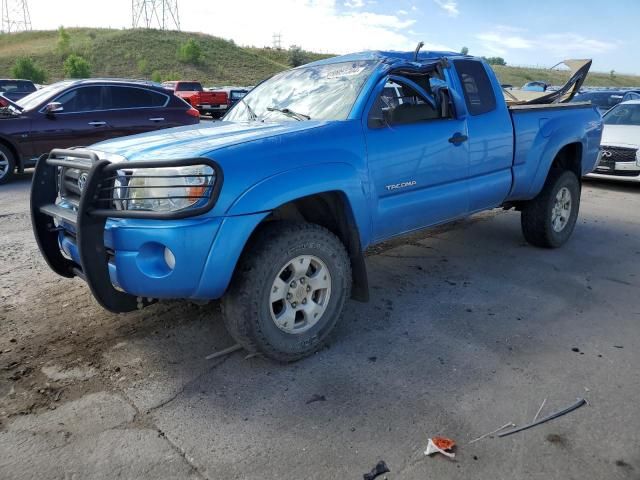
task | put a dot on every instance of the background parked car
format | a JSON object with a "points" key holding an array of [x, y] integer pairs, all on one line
{"points": [[213, 103], [535, 87], [83, 112], [602, 99], [631, 95], [234, 94], [619, 149], [14, 89]]}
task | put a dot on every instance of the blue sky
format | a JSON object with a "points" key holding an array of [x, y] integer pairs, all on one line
{"points": [[537, 32], [524, 32]]}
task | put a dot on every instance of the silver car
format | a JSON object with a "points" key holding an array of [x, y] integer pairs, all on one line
{"points": [[620, 146]]}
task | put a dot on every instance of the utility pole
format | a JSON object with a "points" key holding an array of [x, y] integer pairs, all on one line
{"points": [[15, 16], [160, 14]]}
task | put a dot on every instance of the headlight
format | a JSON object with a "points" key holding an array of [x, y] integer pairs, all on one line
{"points": [[164, 189], [638, 157]]}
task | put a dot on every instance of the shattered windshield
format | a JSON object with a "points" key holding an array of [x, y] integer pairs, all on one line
{"points": [[321, 92]]}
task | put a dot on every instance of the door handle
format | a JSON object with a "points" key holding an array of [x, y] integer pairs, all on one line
{"points": [[458, 138], [97, 124], [157, 119]]}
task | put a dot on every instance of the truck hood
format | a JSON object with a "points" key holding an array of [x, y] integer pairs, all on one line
{"points": [[197, 140], [621, 135]]}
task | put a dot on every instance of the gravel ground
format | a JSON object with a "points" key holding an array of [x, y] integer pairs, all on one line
{"points": [[468, 329]]}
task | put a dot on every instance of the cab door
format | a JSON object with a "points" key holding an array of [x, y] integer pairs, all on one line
{"points": [[490, 135], [418, 160]]}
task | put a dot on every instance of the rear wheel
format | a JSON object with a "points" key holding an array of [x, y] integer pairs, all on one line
{"points": [[288, 291], [7, 164], [549, 219]]}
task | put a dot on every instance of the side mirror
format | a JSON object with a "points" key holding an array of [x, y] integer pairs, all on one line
{"points": [[381, 122], [53, 107]]}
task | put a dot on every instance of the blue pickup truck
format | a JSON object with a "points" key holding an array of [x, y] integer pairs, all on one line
{"points": [[272, 208]]}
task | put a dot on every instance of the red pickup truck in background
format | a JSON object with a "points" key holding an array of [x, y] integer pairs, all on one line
{"points": [[214, 103]]}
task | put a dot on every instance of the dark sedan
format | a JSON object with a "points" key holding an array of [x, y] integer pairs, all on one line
{"points": [[16, 89], [82, 112]]}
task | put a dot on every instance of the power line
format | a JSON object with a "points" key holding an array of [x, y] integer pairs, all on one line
{"points": [[15, 16], [161, 14]]}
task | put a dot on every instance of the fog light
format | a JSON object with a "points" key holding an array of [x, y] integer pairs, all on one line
{"points": [[170, 258]]}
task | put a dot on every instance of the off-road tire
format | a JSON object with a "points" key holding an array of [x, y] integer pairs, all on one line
{"points": [[8, 175], [246, 306], [536, 216]]}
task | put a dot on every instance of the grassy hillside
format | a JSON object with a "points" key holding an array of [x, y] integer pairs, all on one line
{"points": [[143, 53], [140, 53]]}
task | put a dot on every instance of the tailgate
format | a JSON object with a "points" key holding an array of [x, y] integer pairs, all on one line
{"points": [[214, 98]]}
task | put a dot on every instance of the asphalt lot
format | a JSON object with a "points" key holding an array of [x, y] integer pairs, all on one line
{"points": [[469, 329]]}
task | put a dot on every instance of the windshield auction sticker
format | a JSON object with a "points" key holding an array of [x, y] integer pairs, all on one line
{"points": [[350, 70]]}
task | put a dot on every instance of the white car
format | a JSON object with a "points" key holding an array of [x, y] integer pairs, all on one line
{"points": [[620, 146]]}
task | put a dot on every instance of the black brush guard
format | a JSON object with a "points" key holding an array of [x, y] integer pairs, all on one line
{"points": [[95, 206]]}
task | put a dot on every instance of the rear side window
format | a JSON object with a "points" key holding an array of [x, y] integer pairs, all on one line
{"points": [[128, 97], [477, 88]]}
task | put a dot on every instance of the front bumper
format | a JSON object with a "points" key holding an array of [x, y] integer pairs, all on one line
{"points": [[124, 260], [620, 171], [617, 178]]}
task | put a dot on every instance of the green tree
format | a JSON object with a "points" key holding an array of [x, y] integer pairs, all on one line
{"points": [[26, 68], [297, 56], [190, 52], [64, 41], [495, 61], [464, 51], [76, 67]]}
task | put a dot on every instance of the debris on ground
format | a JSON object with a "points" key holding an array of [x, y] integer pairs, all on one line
{"points": [[539, 410], [224, 352], [575, 406], [316, 398], [380, 469], [506, 425], [441, 445]]}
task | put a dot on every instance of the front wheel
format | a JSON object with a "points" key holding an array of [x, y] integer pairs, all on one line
{"points": [[288, 290], [7, 164], [549, 219]]}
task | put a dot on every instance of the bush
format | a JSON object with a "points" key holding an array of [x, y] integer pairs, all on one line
{"points": [[297, 56], [64, 41], [190, 52], [156, 76], [27, 69], [76, 67], [143, 66]]}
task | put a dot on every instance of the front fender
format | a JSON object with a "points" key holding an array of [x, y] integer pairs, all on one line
{"points": [[272, 192]]}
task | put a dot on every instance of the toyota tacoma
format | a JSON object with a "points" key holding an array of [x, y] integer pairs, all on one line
{"points": [[272, 208]]}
